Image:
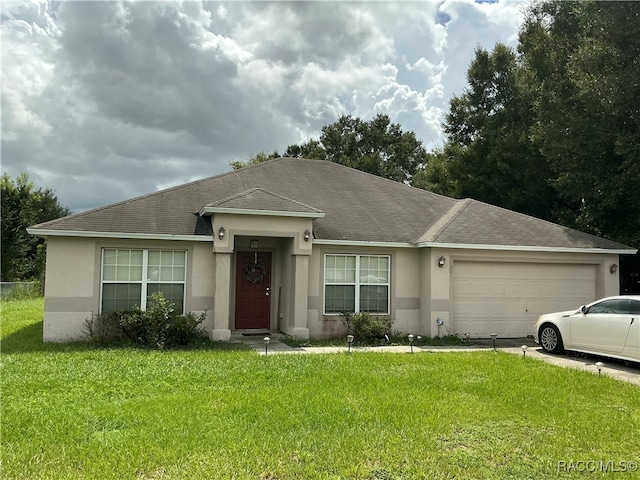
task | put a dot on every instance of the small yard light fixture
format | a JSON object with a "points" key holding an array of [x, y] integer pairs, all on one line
{"points": [[441, 261], [307, 235], [221, 231], [349, 342], [493, 337], [599, 365], [524, 350], [411, 342], [266, 345]]}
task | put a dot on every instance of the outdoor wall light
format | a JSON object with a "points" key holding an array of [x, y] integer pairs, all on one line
{"points": [[493, 337], [307, 235], [349, 342], [411, 342], [613, 268], [524, 350], [441, 261], [221, 231], [599, 365], [266, 345]]}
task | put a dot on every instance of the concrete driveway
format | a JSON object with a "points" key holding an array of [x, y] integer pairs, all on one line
{"points": [[626, 371]]}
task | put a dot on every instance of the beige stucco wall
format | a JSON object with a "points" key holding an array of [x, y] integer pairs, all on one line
{"points": [[420, 291], [405, 289], [264, 226], [70, 288], [283, 236], [72, 285]]}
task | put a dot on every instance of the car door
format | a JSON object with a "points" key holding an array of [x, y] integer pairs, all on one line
{"points": [[603, 327], [632, 346]]}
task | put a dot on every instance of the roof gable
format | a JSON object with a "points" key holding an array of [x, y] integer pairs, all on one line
{"points": [[261, 202]]}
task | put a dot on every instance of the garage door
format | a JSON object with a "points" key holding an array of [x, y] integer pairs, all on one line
{"points": [[507, 298]]}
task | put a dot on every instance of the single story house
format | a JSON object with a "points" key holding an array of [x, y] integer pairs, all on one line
{"points": [[289, 244]]}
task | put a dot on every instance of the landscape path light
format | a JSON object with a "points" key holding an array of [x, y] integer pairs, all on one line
{"points": [[493, 337], [524, 350], [266, 345], [599, 365], [349, 342], [411, 342]]}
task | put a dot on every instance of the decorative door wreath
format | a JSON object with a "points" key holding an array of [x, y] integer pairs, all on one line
{"points": [[254, 272]]}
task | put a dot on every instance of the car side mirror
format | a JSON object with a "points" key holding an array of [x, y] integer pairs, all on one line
{"points": [[583, 309]]}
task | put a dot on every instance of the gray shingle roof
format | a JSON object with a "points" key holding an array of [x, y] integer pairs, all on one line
{"points": [[358, 207]]}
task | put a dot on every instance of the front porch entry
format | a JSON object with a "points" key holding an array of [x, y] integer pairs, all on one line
{"points": [[253, 291]]}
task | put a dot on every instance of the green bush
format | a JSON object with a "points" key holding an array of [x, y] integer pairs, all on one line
{"points": [[157, 327], [366, 327], [105, 328], [21, 291]]}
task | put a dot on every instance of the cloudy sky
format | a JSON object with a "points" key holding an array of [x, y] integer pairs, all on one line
{"points": [[104, 101]]}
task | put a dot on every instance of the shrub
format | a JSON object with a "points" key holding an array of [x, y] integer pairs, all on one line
{"points": [[105, 328], [157, 327], [366, 327], [20, 290]]}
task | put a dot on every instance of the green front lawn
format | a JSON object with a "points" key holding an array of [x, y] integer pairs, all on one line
{"points": [[75, 411]]}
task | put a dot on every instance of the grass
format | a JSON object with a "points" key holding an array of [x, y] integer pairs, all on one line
{"points": [[73, 411]]}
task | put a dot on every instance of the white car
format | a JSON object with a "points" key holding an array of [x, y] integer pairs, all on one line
{"points": [[609, 327]]}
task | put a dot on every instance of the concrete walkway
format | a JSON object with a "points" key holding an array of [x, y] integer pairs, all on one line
{"points": [[613, 368]]}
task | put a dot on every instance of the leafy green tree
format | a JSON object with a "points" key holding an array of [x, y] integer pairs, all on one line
{"points": [[553, 130], [378, 147], [488, 155], [24, 205], [585, 62], [435, 175], [313, 149], [257, 158]]}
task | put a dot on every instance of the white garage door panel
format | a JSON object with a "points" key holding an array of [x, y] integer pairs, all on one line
{"points": [[507, 298]]}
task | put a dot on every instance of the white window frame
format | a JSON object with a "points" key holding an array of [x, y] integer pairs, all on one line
{"points": [[357, 284], [144, 281]]}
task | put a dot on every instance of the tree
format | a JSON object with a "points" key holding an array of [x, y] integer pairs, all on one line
{"points": [[377, 146], [257, 158], [22, 205], [435, 175], [584, 58], [553, 130], [488, 154]]}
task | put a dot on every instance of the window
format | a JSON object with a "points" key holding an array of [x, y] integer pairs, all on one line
{"points": [[124, 285], [611, 306], [356, 283]]}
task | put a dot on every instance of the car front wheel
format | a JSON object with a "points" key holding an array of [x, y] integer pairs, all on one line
{"points": [[550, 339]]}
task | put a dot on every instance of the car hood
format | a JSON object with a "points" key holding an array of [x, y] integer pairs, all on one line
{"points": [[548, 316]]}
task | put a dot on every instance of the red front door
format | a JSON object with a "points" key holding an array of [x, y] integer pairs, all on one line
{"points": [[253, 289]]}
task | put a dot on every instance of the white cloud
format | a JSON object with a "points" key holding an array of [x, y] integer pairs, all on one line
{"points": [[102, 101]]}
